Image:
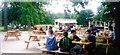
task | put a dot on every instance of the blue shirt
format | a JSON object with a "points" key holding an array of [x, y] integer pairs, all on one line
{"points": [[50, 42]]}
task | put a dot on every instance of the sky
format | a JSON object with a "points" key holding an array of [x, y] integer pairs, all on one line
{"points": [[58, 6]]}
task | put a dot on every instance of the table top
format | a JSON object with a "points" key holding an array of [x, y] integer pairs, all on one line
{"points": [[38, 35], [107, 37], [80, 42], [11, 31], [60, 32]]}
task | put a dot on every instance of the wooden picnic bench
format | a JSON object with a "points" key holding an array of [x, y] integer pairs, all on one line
{"points": [[107, 44], [34, 38], [83, 45], [11, 33], [44, 50]]}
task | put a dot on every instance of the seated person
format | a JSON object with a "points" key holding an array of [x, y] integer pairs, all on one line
{"points": [[65, 43], [35, 28], [41, 29], [90, 38], [73, 36], [111, 34], [51, 41], [93, 29]]}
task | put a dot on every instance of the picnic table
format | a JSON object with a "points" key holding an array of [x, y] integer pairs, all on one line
{"points": [[11, 33], [37, 32], [59, 33], [107, 44], [82, 43], [44, 50], [35, 39]]}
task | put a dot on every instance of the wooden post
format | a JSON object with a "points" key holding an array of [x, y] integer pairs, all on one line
{"points": [[104, 26], [89, 23]]}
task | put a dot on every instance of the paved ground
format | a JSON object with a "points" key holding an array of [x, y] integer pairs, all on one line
{"points": [[17, 46]]}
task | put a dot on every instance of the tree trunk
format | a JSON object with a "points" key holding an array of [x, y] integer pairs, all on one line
{"points": [[117, 25], [5, 15]]}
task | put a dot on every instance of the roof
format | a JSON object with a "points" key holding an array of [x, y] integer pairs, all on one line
{"points": [[66, 20]]}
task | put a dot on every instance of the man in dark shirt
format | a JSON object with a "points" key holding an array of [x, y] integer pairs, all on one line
{"points": [[75, 37], [93, 29], [90, 38]]}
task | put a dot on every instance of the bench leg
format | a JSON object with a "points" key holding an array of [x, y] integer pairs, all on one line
{"points": [[30, 37], [27, 45], [5, 38], [17, 38], [107, 49], [38, 44]]}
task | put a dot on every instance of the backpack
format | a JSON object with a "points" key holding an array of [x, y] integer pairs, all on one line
{"points": [[65, 44]]}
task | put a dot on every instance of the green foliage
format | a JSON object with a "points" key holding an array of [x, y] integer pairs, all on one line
{"points": [[105, 12], [82, 15], [26, 13], [13, 12]]}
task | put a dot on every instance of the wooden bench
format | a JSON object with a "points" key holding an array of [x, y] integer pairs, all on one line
{"points": [[34, 38], [44, 50], [105, 44], [12, 33], [28, 41]]}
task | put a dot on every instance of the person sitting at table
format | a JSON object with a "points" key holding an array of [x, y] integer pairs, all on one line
{"points": [[111, 34], [65, 43], [47, 31], [90, 38], [41, 29], [35, 28], [51, 41], [93, 29], [73, 36]]}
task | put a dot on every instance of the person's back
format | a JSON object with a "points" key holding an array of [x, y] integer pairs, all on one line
{"points": [[111, 34], [65, 43], [51, 41]]}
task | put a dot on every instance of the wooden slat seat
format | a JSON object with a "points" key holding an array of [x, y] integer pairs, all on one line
{"points": [[55, 51], [103, 43], [28, 41]]}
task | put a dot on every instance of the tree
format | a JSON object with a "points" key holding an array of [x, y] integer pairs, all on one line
{"points": [[115, 9], [104, 13], [112, 10], [26, 13], [82, 15], [5, 15]]}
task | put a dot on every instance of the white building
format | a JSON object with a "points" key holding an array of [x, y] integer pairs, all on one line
{"points": [[62, 21]]}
